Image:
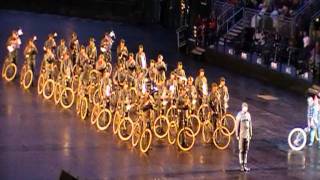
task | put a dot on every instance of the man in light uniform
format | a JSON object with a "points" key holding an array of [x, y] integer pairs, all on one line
{"points": [[244, 135]]}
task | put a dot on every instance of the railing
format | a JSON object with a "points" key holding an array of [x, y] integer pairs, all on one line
{"points": [[230, 22]]}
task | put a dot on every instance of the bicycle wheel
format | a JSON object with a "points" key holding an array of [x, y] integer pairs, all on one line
{"points": [[23, 71], [83, 107], [96, 97], [195, 124], [125, 130], [116, 121], [94, 114], [297, 139], [27, 79], [4, 68], [161, 127], [145, 141], [48, 89], [220, 140], [10, 72], [172, 134], [67, 98], [207, 129], [136, 134], [229, 122], [104, 119], [57, 93], [185, 139], [204, 113], [40, 84]]}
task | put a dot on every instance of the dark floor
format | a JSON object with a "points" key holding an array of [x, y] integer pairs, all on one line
{"points": [[38, 140]]}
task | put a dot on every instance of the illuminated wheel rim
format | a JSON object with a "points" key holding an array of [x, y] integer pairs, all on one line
{"points": [[297, 139], [161, 127], [83, 107], [220, 140], [22, 73], [125, 129], [40, 84], [172, 134], [203, 113], [94, 114], [48, 85], [136, 134], [104, 119], [10, 76], [207, 132], [67, 98], [57, 93], [229, 122], [27, 79], [145, 141], [116, 121], [195, 124], [189, 135]]}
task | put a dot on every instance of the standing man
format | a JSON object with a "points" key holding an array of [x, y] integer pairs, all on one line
{"points": [[313, 118], [244, 135]]}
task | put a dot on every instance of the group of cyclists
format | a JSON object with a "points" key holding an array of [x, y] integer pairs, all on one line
{"points": [[133, 96]]}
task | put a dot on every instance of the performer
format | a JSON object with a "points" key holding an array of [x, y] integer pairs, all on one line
{"points": [[131, 63], [201, 85], [74, 46], [192, 93], [13, 44], [66, 67], [61, 49], [122, 52], [161, 69], [214, 103], [152, 71], [50, 43], [91, 51], [244, 135], [224, 98], [30, 53], [49, 60], [101, 64], [179, 71], [313, 119], [83, 59], [106, 45], [141, 59]]}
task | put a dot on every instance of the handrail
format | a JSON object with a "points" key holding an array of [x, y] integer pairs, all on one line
{"points": [[231, 17], [316, 14]]}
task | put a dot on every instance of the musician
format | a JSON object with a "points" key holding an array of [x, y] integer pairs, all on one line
{"points": [[147, 104], [141, 59], [30, 53], [161, 69], [122, 52], [74, 46], [91, 51], [224, 94], [13, 44], [179, 71]]}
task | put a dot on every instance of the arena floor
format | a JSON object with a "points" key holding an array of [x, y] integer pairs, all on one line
{"points": [[38, 139]]}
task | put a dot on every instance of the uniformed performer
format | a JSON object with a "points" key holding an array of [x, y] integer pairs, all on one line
{"points": [[244, 135], [122, 52], [13, 44], [224, 95], [30, 53]]}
